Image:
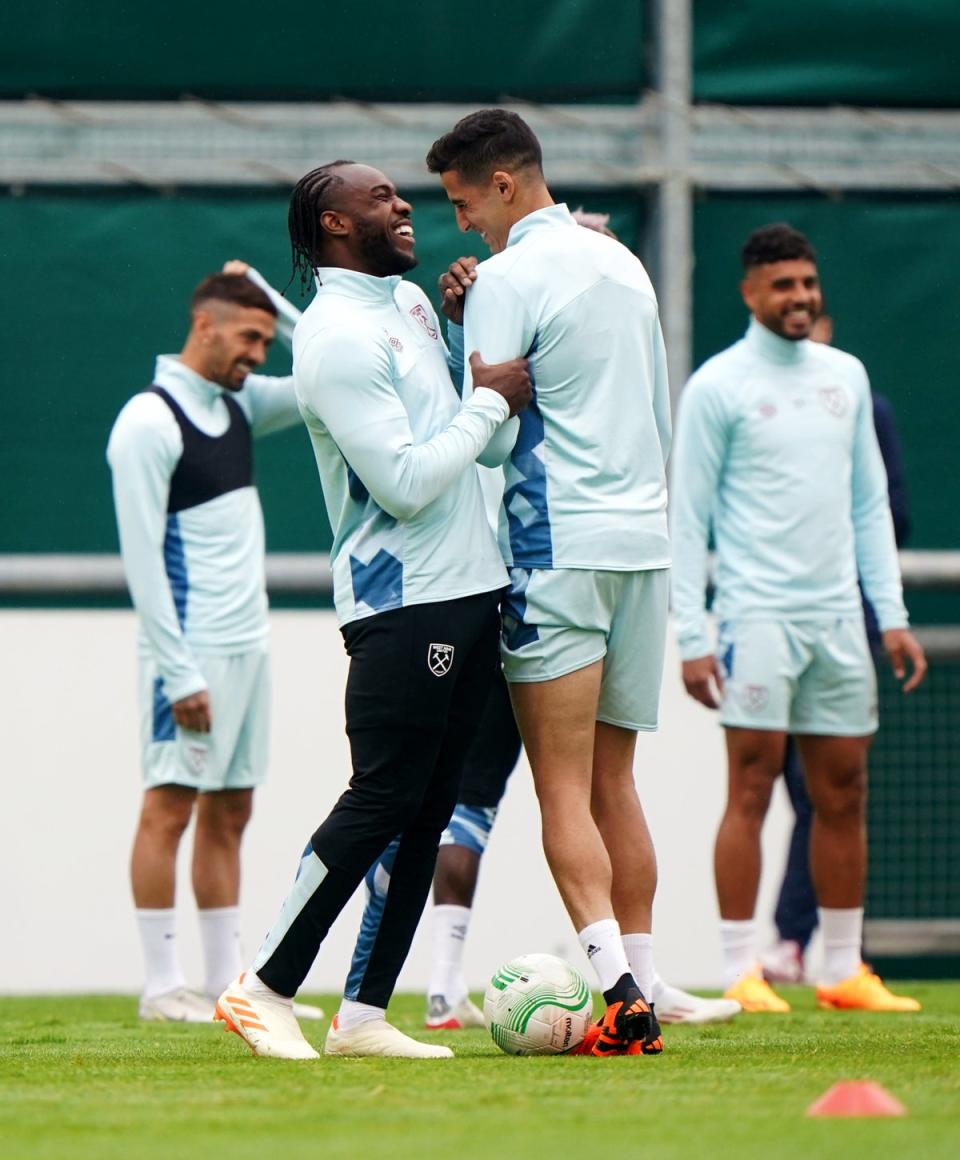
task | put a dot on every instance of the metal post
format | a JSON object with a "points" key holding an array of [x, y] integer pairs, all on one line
{"points": [[674, 208]]}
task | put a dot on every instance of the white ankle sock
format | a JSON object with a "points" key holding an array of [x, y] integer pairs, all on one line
{"points": [[603, 947], [449, 926], [353, 1014], [253, 985], [220, 935], [639, 948], [738, 939], [842, 940], [158, 935]]}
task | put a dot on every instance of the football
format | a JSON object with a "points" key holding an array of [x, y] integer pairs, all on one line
{"points": [[537, 1005]]}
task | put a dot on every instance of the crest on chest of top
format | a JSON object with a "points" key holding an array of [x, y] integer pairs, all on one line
{"points": [[833, 400], [419, 314], [407, 344]]}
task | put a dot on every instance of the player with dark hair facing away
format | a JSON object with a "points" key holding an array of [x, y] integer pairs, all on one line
{"points": [[417, 582], [584, 533], [191, 535], [776, 450]]}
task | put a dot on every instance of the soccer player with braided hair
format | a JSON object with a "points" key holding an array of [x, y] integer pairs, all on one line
{"points": [[417, 582]]}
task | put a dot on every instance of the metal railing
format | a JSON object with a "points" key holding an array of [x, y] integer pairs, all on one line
{"points": [[70, 574]]}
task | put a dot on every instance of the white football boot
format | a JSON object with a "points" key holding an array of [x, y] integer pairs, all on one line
{"points": [[783, 962], [266, 1024], [676, 1006], [442, 1016], [378, 1037], [180, 1006]]}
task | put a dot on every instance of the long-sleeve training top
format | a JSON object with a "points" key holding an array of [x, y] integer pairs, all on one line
{"points": [[776, 450], [585, 482], [395, 448], [196, 575]]}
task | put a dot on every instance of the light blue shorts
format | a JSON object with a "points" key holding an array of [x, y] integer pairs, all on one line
{"points": [[800, 676], [556, 621], [233, 755]]}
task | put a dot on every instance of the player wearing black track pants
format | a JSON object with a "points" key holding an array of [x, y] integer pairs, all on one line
{"points": [[417, 580]]}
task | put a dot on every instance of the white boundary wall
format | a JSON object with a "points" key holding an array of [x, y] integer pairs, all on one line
{"points": [[72, 792]]}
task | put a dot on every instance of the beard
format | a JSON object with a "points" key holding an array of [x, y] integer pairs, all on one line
{"points": [[379, 254]]}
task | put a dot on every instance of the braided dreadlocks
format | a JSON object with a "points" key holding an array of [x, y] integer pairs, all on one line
{"points": [[312, 195]]}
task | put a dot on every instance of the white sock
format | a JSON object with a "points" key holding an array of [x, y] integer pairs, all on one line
{"points": [[449, 926], [639, 948], [353, 1014], [220, 935], [254, 986], [604, 948], [158, 934], [842, 939], [738, 938]]}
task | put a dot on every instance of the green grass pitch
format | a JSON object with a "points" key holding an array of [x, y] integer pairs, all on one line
{"points": [[82, 1078]]}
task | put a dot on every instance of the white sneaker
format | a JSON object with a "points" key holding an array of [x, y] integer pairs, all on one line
{"points": [[441, 1016], [378, 1037], [306, 1011], [676, 1006], [180, 1006], [266, 1024], [783, 962]]}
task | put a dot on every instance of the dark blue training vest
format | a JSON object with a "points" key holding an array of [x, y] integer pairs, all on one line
{"points": [[211, 465]]}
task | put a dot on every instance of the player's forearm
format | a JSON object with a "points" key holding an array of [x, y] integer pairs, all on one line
{"points": [[874, 541], [406, 478], [689, 582], [287, 314], [271, 403], [689, 536], [154, 603], [878, 565], [140, 500], [661, 396], [504, 439]]}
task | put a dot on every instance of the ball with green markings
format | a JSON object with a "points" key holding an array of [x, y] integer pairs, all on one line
{"points": [[537, 1005]]}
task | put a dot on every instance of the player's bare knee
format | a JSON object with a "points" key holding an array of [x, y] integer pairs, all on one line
{"points": [[843, 802], [749, 798], [456, 874], [224, 816], [166, 811]]}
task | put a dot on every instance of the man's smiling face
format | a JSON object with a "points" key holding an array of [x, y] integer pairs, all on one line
{"points": [[379, 226], [784, 296]]}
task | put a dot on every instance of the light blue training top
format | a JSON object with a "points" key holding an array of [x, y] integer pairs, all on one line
{"points": [[585, 481], [776, 450], [395, 447]]}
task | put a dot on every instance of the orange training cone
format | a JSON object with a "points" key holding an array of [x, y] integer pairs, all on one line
{"points": [[856, 1097]]}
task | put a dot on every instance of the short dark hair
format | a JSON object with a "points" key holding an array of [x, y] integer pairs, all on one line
{"points": [[778, 242], [484, 141], [236, 289], [312, 195]]}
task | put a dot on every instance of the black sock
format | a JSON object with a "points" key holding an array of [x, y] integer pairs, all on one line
{"points": [[624, 990]]}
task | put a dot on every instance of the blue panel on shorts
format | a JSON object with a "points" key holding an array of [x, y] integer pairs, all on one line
{"points": [[470, 827], [378, 584], [513, 607], [164, 726]]}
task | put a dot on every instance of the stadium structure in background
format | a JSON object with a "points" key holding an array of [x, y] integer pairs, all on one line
{"points": [[670, 149]]}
